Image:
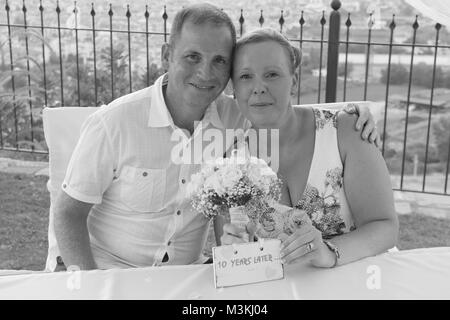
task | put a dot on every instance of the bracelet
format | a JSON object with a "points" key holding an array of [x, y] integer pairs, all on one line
{"points": [[335, 250]]}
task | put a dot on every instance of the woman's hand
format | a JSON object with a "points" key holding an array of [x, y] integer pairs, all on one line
{"points": [[234, 234], [306, 244]]}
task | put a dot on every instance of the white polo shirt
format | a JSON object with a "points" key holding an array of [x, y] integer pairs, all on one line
{"points": [[124, 165]]}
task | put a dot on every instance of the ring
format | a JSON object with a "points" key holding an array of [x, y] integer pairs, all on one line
{"points": [[309, 247]]}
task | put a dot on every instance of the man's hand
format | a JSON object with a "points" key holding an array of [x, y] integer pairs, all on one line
{"points": [[366, 122]]}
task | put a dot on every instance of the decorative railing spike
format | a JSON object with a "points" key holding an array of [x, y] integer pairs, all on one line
{"points": [[241, 18], [370, 23], [416, 23], [348, 23], [164, 16], [323, 20], [392, 25], [281, 21]]}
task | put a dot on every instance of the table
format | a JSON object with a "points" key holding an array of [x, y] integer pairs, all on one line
{"points": [[408, 274]]}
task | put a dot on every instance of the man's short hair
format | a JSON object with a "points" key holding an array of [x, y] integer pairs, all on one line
{"points": [[200, 14]]}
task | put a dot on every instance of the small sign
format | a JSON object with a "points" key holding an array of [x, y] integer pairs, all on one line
{"points": [[247, 263]]}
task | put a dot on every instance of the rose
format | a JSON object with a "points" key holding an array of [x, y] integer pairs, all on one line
{"points": [[213, 182], [295, 218], [230, 176]]}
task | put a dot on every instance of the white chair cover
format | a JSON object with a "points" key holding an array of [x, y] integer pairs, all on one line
{"points": [[61, 131]]}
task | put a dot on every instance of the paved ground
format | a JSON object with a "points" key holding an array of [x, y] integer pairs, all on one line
{"points": [[405, 202]]}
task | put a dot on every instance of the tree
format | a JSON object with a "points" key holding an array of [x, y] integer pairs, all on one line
{"points": [[20, 126], [341, 69], [441, 130], [119, 66], [86, 75], [423, 76], [399, 74], [311, 60], [154, 73]]}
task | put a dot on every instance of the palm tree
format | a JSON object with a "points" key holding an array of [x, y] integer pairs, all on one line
{"points": [[21, 96]]}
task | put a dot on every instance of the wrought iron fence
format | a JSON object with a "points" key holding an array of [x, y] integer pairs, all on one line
{"points": [[78, 73]]}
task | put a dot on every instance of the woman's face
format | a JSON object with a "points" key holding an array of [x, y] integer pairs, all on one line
{"points": [[262, 81]]}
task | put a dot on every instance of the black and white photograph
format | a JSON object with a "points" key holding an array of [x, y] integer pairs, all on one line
{"points": [[240, 152]]}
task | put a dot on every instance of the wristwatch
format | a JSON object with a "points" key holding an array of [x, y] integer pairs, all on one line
{"points": [[335, 249]]}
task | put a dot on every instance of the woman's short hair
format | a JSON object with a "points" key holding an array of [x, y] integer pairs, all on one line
{"points": [[200, 14], [269, 34]]}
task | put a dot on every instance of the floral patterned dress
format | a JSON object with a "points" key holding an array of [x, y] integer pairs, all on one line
{"points": [[324, 198]]}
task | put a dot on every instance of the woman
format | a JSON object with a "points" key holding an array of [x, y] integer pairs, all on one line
{"points": [[340, 181]]}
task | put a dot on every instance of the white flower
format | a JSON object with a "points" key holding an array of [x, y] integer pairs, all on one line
{"points": [[254, 174], [329, 201], [267, 171], [213, 182], [316, 216], [230, 177]]}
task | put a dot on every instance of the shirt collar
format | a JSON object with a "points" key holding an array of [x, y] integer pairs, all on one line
{"points": [[159, 115], [212, 116]]}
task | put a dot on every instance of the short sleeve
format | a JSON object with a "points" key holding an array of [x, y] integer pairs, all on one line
{"points": [[91, 168]]}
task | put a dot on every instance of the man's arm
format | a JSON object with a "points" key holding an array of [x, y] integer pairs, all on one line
{"points": [[71, 232]]}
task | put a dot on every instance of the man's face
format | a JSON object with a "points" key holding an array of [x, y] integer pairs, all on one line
{"points": [[199, 65]]}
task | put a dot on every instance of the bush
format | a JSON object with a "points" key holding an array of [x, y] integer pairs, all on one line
{"points": [[341, 69], [422, 76], [399, 74], [441, 131]]}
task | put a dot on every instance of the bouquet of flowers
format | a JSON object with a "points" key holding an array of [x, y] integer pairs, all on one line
{"points": [[243, 182]]}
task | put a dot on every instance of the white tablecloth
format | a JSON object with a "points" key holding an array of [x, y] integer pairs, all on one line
{"points": [[409, 274]]}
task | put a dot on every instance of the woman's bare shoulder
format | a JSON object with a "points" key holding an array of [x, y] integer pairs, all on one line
{"points": [[350, 139]]}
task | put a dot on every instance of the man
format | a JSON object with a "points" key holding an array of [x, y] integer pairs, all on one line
{"points": [[123, 201]]}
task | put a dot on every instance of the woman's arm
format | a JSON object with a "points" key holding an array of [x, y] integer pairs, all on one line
{"points": [[369, 193]]}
